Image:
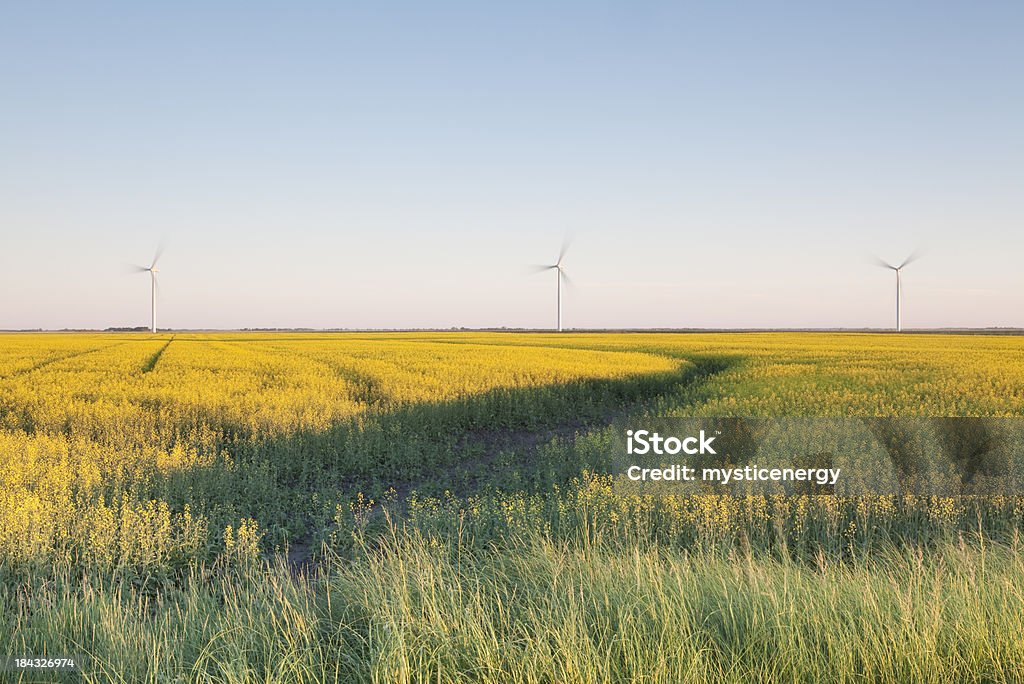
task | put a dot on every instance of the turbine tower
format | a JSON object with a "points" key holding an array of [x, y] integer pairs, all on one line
{"points": [[559, 277], [899, 284], [152, 270]]}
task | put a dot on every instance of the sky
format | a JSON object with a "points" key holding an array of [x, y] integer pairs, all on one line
{"points": [[402, 164]]}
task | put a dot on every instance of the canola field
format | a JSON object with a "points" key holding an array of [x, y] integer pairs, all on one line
{"points": [[439, 507]]}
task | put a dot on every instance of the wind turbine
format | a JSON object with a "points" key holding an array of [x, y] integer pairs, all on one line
{"points": [[899, 284], [559, 277], [152, 270]]}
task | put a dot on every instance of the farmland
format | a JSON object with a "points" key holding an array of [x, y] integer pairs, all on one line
{"points": [[440, 506]]}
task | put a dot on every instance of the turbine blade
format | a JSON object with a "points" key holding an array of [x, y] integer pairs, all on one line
{"points": [[914, 256], [540, 268], [878, 261], [135, 268], [156, 256], [565, 278], [565, 248]]}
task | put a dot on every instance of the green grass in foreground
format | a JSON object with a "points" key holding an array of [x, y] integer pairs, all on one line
{"points": [[413, 609]]}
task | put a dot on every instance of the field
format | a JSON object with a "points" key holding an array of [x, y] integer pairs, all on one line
{"points": [[441, 507]]}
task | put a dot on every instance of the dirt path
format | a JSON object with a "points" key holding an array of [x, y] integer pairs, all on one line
{"points": [[478, 452]]}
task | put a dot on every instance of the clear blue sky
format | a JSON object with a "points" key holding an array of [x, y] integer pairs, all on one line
{"points": [[400, 164]]}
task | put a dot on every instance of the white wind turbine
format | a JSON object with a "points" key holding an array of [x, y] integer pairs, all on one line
{"points": [[899, 284], [152, 270], [559, 277]]}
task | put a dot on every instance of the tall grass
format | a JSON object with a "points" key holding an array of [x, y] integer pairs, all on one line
{"points": [[409, 608], [547, 612]]}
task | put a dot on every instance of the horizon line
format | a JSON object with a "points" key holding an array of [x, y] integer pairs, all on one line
{"points": [[870, 330]]}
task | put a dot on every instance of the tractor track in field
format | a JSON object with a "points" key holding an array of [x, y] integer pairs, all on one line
{"points": [[488, 445], [155, 359], [524, 443], [365, 388], [56, 359], [478, 449]]}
